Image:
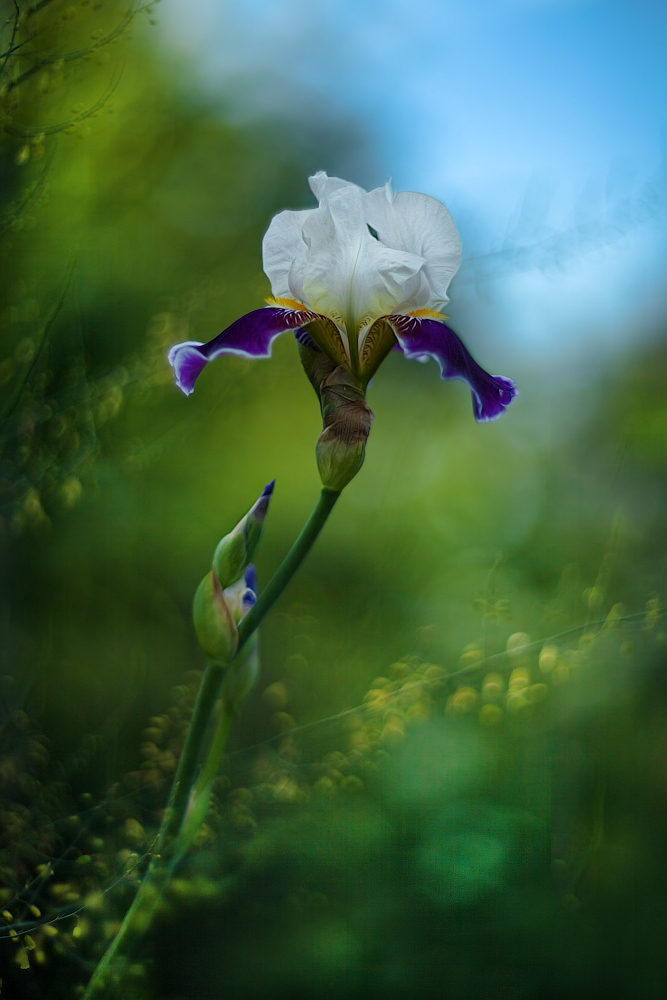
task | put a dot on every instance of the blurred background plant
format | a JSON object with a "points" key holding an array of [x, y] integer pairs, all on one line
{"points": [[499, 831]]}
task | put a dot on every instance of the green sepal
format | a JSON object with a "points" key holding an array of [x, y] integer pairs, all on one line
{"points": [[231, 556], [214, 624]]}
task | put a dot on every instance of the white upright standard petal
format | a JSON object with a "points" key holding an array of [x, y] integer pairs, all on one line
{"points": [[282, 247], [323, 186], [359, 256], [421, 225], [347, 273]]}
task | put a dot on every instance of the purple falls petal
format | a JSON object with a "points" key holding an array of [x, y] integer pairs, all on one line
{"points": [[251, 336], [420, 339], [187, 360]]}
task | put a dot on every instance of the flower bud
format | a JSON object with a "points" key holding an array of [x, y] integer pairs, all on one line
{"points": [[214, 623], [236, 549], [341, 447]]}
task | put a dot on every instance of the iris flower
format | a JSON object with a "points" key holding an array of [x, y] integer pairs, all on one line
{"points": [[362, 274]]}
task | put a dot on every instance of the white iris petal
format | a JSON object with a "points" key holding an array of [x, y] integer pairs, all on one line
{"points": [[361, 255], [420, 225], [282, 247]]}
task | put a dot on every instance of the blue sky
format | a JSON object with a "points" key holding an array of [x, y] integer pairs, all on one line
{"points": [[542, 124]]}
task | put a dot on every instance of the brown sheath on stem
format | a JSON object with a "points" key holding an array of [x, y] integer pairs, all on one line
{"points": [[346, 417]]}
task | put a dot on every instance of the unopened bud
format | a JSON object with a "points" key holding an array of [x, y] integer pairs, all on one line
{"points": [[236, 549], [341, 447], [214, 623]]}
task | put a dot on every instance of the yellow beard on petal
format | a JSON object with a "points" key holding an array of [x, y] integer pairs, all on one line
{"points": [[427, 314], [287, 304], [321, 327]]}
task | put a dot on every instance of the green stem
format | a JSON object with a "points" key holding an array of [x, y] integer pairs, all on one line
{"points": [[159, 871], [187, 764], [198, 807], [214, 756], [139, 915], [136, 922], [210, 685], [290, 564]]}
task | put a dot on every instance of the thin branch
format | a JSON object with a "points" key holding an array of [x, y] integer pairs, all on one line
{"points": [[12, 402], [35, 189], [26, 132], [37, 7], [497, 658], [15, 28], [77, 54]]}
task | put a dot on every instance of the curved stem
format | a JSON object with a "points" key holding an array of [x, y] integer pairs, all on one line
{"points": [[143, 906], [290, 564], [189, 758], [203, 786], [212, 760], [136, 921], [210, 686], [138, 917]]}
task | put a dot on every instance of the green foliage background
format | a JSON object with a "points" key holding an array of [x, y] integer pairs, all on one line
{"points": [[137, 225]]}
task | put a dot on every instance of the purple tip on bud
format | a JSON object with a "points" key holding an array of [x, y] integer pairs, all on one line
{"points": [[260, 509]]}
